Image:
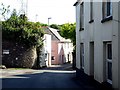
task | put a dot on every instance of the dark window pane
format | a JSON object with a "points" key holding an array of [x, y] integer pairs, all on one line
{"points": [[108, 8], [52, 58], [109, 51], [109, 70], [91, 10]]}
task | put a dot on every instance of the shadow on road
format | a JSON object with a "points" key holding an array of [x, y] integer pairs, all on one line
{"points": [[63, 67], [46, 79], [57, 76]]}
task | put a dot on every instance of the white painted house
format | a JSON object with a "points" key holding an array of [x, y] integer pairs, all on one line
{"points": [[45, 57], [98, 40]]}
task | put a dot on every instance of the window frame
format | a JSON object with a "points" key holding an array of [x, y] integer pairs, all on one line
{"points": [[108, 61], [82, 16], [106, 11], [91, 12]]}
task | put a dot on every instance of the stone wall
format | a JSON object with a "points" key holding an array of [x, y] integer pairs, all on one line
{"points": [[19, 55]]}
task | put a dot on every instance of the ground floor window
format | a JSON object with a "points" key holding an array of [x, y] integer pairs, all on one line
{"points": [[109, 62], [82, 55], [53, 58]]}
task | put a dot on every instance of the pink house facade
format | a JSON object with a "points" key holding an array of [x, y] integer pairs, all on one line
{"points": [[61, 48]]}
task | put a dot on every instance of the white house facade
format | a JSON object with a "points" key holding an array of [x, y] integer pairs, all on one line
{"points": [[45, 57], [98, 40]]}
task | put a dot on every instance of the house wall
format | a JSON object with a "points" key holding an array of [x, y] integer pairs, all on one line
{"points": [[102, 32], [65, 48], [99, 33], [119, 44], [54, 52], [61, 54], [47, 46], [78, 36], [116, 45]]}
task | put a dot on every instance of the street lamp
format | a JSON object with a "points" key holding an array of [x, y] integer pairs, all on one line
{"points": [[36, 17], [48, 20]]}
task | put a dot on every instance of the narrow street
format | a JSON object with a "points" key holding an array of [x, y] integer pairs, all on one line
{"points": [[56, 76], [53, 77]]}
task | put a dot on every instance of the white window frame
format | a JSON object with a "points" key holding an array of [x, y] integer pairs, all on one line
{"points": [[91, 10], [108, 61], [82, 16], [104, 6]]}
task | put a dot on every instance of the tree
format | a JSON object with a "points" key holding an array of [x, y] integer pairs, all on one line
{"points": [[68, 31], [55, 26], [19, 29]]}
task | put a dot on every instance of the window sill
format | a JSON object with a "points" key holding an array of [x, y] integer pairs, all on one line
{"points": [[106, 19], [81, 29], [91, 21]]}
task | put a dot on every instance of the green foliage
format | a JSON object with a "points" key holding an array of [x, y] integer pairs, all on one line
{"points": [[42, 24], [19, 29], [55, 26], [68, 31]]}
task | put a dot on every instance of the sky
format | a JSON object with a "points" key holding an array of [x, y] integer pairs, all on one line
{"points": [[60, 11]]}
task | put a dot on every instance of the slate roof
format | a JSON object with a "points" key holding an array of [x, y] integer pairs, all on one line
{"points": [[55, 32]]}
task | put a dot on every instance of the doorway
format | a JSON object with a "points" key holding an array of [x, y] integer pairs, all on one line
{"points": [[91, 58]]}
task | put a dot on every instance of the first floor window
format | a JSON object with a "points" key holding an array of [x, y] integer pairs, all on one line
{"points": [[107, 8]]}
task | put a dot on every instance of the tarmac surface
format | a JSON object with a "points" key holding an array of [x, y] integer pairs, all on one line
{"points": [[56, 76]]}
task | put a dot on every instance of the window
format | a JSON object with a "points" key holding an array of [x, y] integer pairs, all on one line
{"points": [[109, 51], [82, 16], [91, 11], [52, 58], [82, 55], [109, 62], [107, 10]]}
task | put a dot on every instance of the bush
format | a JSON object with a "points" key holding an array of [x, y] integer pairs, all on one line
{"points": [[19, 29]]}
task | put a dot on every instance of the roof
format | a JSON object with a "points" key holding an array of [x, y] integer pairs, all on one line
{"points": [[55, 32], [75, 3]]}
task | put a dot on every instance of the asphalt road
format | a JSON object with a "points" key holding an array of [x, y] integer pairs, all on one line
{"points": [[57, 76], [45, 78]]}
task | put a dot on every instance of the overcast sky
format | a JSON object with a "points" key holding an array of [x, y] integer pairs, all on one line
{"points": [[60, 11]]}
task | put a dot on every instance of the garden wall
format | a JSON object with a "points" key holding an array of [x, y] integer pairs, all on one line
{"points": [[16, 55]]}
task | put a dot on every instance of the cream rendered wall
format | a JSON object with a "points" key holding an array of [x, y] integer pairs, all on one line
{"points": [[119, 45], [102, 32], [86, 38], [78, 36], [99, 33], [116, 46]]}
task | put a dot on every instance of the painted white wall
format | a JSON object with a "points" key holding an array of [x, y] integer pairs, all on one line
{"points": [[78, 36], [119, 44], [99, 33], [116, 45], [47, 49]]}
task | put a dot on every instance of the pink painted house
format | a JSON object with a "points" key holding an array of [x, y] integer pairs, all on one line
{"points": [[61, 48]]}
